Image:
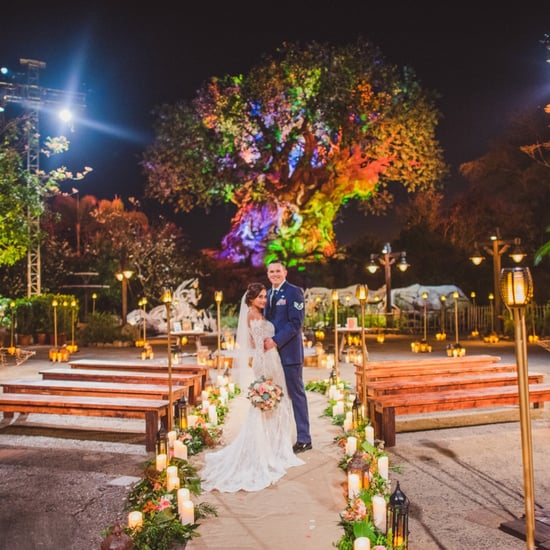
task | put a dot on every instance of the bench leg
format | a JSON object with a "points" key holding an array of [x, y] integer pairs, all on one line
{"points": [[387, 426], [151, 429]]}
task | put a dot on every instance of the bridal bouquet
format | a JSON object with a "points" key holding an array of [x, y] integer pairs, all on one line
{"points": [[264, 394]]}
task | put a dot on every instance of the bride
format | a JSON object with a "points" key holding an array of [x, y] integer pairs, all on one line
{"points": [[262, 451]]}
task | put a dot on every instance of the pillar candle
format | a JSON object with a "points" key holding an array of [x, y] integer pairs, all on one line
{"points": [[213, 415], [187, 514], [348, 422], [135, 520], [192, 420], [171, 436], [171, 471], [220, 380], [369, 434], [361, 543], [353, 485], [183, 495], [180, 449], [204, 395], [351, 445], [383, 466], [379, 512], [231, 387], [161, 462], [172, 483]]}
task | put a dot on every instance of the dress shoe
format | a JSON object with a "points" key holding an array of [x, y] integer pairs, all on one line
{"points": [[301, 447]]}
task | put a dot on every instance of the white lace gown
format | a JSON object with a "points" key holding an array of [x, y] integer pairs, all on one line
{"points": [[262, 451]]}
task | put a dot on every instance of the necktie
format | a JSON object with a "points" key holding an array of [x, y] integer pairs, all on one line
{"points": [[273, 297]]}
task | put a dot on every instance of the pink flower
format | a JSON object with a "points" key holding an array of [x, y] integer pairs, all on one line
{"points": [[164, 502]]}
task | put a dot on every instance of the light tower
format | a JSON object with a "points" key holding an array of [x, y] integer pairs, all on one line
{"points": [[32, 97]]}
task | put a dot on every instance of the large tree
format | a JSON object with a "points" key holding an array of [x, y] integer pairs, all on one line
{"points": [[306, 131]]}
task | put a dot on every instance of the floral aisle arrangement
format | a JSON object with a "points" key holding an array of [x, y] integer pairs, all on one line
{"points": [[264, 394], [368, 487], [154, 504]]}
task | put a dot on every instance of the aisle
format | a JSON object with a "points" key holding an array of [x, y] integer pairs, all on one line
{"points": [[301, 511]]}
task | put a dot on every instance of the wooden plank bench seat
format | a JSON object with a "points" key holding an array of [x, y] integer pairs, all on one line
{"points": [[152, 410], [375, 370], [94, 389], [429, 383], [141, 366], [191, 381], [387, 407]]}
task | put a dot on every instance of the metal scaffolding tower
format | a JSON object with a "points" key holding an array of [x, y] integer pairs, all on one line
{"points": [[28, 93]]}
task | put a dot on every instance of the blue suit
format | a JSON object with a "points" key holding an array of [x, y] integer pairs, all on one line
{"points": [[285, 309]]}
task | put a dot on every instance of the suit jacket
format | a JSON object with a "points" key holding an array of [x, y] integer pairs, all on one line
{"points": [[286, 313]]}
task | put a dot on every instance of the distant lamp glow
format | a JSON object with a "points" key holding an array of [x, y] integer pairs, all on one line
{"points": [[517, 253], [335, 299], [476, 258], [362, 293], [218, 298], [402, 264]]}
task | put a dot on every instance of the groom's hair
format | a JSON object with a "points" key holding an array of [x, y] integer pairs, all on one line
{"points": [[253, 291]]}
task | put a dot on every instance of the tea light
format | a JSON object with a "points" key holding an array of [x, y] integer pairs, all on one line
{"points": [[161, 462], [180, 449], [187, 512], [135, 520]]}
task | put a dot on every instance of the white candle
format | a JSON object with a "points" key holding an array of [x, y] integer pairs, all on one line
{"points": [[379, 512], [361, 543], [348, 422], [187, 514], [172, 483], [161, 462], [135, 520], [180, 449], [171, 436], [220, 380], [351, 445], [213, 415], [383, 466], [183, 495], [353, 485], [231, 387], [171, 471], [369, 434], [192, 420], [204, 395], [338, 409]]}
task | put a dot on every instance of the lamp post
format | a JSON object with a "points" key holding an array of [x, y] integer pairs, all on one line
{"points": [[425, 298], [362, 295], [166, 299], [218, 297], [12, 327], [516, 287], [54, 305], [94, 298], [143, 304], [387, 258], [496, 248], [73, 347], [335, 299], [123, 277], [441, 336], [492, 311], [475, 332]]}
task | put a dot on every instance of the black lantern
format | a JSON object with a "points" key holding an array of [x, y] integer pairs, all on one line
{"points": [[332, 378], [181, 413], [398, 519], [160, 446]]}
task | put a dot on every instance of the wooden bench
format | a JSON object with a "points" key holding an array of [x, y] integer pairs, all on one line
{"points": [[152, 410], [146, 365], [94, 389], [387, 407], [191, 381], [428, 383]]}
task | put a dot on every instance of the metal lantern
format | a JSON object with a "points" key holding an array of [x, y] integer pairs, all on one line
{"points": [[182, 410], [398, 519], [356, 412], [358, 465], [516, 286], [160, 446]]}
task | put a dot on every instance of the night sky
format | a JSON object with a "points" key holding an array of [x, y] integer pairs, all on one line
{"points": [[128, 59]]}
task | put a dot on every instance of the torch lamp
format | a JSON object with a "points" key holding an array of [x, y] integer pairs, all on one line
{"points": [[516, 290], [94, 299], [397, 519], [361, 293], [166, 299], [143, 305], [54, 306], [218, 298], [12, 327], [335, 299], [73, 347]]}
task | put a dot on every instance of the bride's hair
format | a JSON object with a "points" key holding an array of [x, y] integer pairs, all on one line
{"points": [[252, 292]]}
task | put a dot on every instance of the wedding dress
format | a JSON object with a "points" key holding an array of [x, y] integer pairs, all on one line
{"points": [[262, 451]]}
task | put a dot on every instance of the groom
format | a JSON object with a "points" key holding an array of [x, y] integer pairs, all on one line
{"points": [[285, 309]]}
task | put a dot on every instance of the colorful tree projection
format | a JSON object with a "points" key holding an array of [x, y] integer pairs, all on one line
{"points": [[300, 135]]}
